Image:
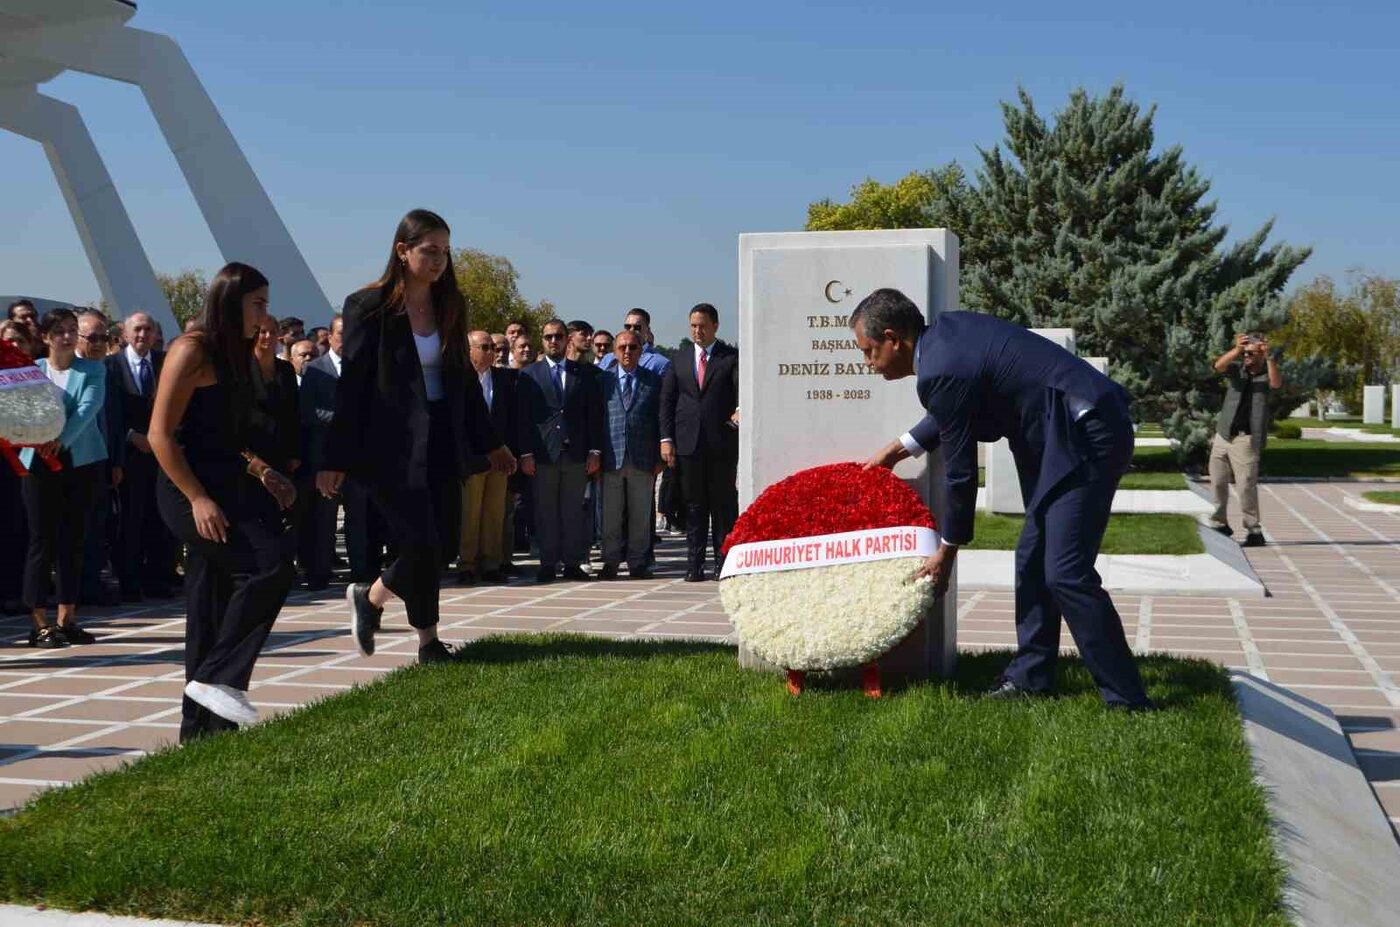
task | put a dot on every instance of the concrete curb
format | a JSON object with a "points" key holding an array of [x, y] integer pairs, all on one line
{"points": [[1128, 574], [1342, 857], [1366, 505], [17, 916]]}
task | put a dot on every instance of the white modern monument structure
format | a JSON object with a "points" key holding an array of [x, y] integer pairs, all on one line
{"points": [[39, 40]]}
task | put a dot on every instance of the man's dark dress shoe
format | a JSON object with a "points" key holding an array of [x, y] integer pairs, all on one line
{"points": [[1006, 690], [609, 572], [695, 576], [545, 575], [436, 651], [1254, 539], [578, 574], [641, 573]]}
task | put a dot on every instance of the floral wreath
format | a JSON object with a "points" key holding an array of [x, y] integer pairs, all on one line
{"points": [[32, 412], [816, 569]]}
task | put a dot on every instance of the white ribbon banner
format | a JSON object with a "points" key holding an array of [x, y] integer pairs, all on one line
{"points": [[13, 377], [829, 550]]}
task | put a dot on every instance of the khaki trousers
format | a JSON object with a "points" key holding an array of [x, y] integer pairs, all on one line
{"points": [[483, 516], [1235, 461]]}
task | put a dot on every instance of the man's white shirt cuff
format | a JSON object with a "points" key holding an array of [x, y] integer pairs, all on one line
{"points": [[914, 448]]}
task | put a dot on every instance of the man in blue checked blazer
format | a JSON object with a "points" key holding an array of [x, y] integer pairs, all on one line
{"points": [[631, 456], [981, 379]]}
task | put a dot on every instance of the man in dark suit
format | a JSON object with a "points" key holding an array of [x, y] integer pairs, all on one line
{"points": [[631, 457], [563, 451], [700, 429], [146, 559], [363, 533], [484, 493], [1070, 431]]}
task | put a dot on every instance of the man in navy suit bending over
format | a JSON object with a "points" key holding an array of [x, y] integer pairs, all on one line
{"points": [[982, 379]]}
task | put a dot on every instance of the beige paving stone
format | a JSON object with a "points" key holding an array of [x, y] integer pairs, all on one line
{"points": [[66, 764], [107, 709]]}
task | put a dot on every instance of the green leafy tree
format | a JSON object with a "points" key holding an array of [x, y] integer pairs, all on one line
{"points": [[1077, 222], [185, 292], [490, 284], [938, 198], [1355, 332]]}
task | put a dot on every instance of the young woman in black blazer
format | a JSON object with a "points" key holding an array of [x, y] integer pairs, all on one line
{"points": [[409, 422]]}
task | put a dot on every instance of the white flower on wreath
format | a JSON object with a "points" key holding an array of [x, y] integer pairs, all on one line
{"points": [[827, 617]]}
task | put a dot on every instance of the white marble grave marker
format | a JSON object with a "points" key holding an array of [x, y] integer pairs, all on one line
{"points": [[1003, 487], [806, 394], [1372, 405]]}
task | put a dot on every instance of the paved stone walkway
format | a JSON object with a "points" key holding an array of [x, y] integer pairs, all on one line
{"points": [[1331, 631]]}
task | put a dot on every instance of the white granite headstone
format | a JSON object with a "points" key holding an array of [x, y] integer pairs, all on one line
{"points": [[1395, 405], [806, 394], [1003, 487], [1372, 405], [1098, 363]]}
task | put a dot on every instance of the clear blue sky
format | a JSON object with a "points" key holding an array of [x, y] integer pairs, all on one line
{"points": [[615, 151]]}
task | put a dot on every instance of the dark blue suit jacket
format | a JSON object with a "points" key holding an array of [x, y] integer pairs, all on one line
{"points": [[567, 427], [983, 379], [634, 433]]}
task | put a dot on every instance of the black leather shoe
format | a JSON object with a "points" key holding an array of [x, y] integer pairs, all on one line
{"points": [[436, 652], [578, 574], [1254, 539], [1006, 690], [609, 572], [466, 578], [1223, 529], [317, 584], [641, 573], [493, 577], [695, 576], [545, 575], [74, 634], [49, 637], [510, 569], [364, 617]]}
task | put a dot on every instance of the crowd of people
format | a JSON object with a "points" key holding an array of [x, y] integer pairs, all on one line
{"points": [[233, 462]]}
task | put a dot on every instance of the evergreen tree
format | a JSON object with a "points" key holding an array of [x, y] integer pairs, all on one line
{"points": [[1080, 224]]}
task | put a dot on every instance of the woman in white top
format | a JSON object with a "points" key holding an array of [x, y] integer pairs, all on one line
{"points": [[410, 423]]}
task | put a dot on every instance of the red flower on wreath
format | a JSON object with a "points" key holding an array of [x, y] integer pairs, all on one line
{"points": [[829, 500]]}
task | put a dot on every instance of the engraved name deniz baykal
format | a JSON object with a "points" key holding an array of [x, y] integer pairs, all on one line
{"points": [[833, 336]]}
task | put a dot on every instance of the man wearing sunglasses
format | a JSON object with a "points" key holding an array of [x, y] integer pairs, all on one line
{"points": [[562, 451], [638, 321]]}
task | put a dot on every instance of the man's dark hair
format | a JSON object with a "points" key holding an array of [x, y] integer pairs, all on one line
{"points": [[523, 323], [887, 308], [289, 323], [10, 313], [646, 316], [601, 331], [556, 321], [319, 328], [579, 325], [706, 309]]}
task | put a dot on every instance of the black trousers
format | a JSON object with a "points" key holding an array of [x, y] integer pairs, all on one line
{"points": [[14, 535], [1055, 575], [233, 590], [96, 551], [424, 523], [710, 485], [56, 506], [364, 532], [147, 551]]}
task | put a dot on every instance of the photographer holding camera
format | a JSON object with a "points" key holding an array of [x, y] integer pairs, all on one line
{"points": [[1240, 432]]}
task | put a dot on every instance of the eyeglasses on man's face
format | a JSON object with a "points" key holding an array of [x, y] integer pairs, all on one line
{"points": [[488, 348], [629, 347], [632, 327], [98, 338], [553, 336]]}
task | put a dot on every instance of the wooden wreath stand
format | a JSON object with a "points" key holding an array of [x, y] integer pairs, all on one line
{"points": [[11, 454]]}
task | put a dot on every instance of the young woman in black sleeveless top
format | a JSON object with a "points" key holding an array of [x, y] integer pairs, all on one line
{"points": [[217, 495], [410, 424]]}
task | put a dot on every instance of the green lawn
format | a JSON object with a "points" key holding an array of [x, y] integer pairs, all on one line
{"points": [[1126, 534], [1293, 458], [1131, 480], [1383, 496], [551, 780]]}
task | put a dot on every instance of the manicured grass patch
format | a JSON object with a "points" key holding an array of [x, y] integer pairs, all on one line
{"points": [[1384, 497], [1329, 459], [1126, 534], [550, 780], [1131, 480], [1147, 480]]}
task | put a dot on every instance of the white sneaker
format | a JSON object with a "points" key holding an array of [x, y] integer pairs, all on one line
{"points": [[225, 701]]}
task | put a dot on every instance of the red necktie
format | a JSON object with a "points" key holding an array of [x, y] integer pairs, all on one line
{"points": [[700, 374]]}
